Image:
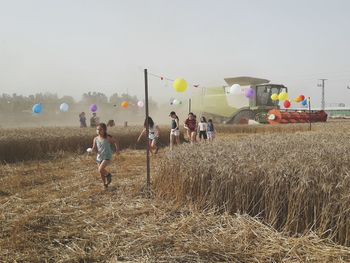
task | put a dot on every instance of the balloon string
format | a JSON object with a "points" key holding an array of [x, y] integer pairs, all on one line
{"points": [[166, 78]]}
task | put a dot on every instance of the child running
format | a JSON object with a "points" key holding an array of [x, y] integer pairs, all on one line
{"points": [[202, 127], [210, 130], [153, 134], [103, 145], [175, 130]]}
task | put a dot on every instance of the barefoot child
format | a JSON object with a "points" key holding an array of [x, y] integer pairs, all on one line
{"points": [[103, 145], [153, 134]]}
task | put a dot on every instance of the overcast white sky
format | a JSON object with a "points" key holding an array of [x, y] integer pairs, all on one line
{"points": [[73, 46]]}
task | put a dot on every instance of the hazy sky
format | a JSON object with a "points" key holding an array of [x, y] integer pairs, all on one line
{"points": [[73, 46]]}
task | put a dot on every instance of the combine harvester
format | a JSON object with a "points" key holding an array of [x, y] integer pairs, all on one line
{"points": [[223, 106]]}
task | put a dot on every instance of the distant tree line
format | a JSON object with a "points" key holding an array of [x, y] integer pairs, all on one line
{"points": [[18, 103]]}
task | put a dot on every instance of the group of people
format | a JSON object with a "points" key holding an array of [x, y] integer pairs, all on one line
{"points": [[103, 142], [193, 128], [94, 120]]}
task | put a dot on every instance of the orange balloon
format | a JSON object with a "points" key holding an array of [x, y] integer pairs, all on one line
{"points": [[298, 99], [125, 104]]}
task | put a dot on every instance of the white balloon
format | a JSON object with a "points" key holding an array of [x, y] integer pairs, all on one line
{"points": [[235, 89], [140, 104], [176, 102], [64, 107]]}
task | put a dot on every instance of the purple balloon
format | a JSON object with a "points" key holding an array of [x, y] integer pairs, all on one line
{"points": [[249, 93], [93, 107]]}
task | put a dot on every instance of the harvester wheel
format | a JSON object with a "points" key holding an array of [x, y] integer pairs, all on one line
{"points": [[243, 117]]}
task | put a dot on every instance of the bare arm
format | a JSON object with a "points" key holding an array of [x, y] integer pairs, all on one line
{"points": [[114, 142], [94, 147], [158, 131], [142, 133]]}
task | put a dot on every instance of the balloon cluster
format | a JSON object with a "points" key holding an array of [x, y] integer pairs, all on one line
{"points": [[236, 89], [38, 108], [175, 102], [283, 96]]}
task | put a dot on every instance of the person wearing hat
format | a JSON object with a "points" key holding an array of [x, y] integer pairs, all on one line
{"points": [[175, 130]]}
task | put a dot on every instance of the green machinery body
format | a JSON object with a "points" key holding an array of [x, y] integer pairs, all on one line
{"points": [[217, 102]]}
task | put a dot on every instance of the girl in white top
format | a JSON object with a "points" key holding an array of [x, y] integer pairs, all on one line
{"points": [[202, 127], [153, 134]]}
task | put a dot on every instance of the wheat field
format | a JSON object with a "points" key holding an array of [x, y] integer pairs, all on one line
{"points": [[55, 209]]}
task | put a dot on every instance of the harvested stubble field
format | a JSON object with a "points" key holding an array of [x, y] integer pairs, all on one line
{"points": [[56, 211]]}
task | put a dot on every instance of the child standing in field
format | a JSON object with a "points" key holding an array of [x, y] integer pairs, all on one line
{"points": [[102, 143], [82, 120], [153, 134], [210, 130], [202, 127], [191, 127], [175, 130]]}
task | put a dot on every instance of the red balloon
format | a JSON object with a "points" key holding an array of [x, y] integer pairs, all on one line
{"points": [[302, 97], [286, 104]]}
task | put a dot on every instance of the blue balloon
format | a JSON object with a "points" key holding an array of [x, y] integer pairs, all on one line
{"points": [[37, 108], [304, 102]]}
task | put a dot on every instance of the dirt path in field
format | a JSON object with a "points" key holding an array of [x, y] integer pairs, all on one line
{"points": [[59, 210]]}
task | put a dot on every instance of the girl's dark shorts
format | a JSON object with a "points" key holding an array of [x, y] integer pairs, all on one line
{"points": [[204, 134]]}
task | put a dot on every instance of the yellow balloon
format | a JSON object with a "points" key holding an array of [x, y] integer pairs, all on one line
{"points": [[283, 96], [274, 96], [125, 104], [180, 85]]}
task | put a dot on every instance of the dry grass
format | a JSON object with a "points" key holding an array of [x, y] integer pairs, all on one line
{"points": [[57, 212], [296, 182], [37, 143]]}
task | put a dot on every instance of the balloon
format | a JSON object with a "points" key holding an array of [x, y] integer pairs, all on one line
{"points": [[249, 92], [176, 102], [180, 85], [274, 96], [286, 104], [140, 103], [235, 89], [283, 96], [302, 97], [125, 104], [298, 99], [64, 107], [37, 108], [93, 107], [304, 102]]}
